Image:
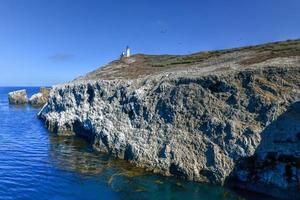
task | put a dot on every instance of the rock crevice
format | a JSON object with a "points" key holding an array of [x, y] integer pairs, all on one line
{"points": [[198, 128], [222, 117]]}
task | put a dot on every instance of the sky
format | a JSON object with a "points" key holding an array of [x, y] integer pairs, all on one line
{"points": [[46, 42]]}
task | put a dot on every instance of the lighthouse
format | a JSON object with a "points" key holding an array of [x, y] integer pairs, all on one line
{"points": [[127, 52]]}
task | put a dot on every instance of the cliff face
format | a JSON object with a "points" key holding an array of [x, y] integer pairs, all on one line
{"points": [[214, 123]]}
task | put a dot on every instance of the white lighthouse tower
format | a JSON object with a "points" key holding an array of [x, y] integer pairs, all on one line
{"points": [[127, 52]]}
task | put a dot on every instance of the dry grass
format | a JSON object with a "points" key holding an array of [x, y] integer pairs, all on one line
{"points": [[141, 65], [273, 50]]}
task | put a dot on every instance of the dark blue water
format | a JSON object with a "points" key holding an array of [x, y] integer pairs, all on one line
{"points": [[35, 164]]}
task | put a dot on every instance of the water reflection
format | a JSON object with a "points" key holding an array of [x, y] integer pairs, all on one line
{"points": [[76, 155]]}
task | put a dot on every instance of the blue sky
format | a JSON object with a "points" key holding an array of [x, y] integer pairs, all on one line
{"points": [[45, 42]]}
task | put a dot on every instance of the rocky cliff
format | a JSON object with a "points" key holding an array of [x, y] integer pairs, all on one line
{"points": [[221, 117]]}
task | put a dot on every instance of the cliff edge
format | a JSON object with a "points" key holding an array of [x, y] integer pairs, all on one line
{"points": [[228, 116]]}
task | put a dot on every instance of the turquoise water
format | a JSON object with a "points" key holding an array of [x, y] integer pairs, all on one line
{"points": [[35, 164]]}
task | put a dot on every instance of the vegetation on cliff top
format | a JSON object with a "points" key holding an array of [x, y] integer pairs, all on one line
{"points": [[141, 65]]}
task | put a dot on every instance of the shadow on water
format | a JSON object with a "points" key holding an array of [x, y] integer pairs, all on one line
{"points": [[77, 156], [276, 160]]}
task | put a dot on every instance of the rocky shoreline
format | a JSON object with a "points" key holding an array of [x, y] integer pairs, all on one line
{"points": [[198, 128], [231, 118]]}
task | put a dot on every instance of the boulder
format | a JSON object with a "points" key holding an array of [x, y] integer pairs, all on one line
{"points": [[18, 97], [40, 98]]}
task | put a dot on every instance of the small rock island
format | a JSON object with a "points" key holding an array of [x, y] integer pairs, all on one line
{"points": [[227, 117], [20, 97], [39, 99]]}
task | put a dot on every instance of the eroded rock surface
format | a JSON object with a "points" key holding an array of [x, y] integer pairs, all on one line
{"points": [[275, 166], [202, 123], [18, 97], [39, 99], [193, 127]]}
